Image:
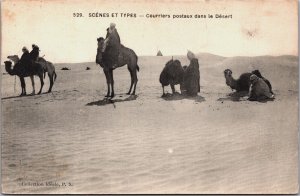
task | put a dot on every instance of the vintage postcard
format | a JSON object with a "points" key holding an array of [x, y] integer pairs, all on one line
{"points": [[149, 97]]}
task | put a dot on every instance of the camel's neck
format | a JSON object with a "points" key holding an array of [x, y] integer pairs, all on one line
{"points": [[9, 70], [230, 81], [16, 61], [99, 59]]}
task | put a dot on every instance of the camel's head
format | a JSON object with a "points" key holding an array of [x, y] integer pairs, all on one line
{"points": [[228, 77], [253, 78], [227, 73], [101, 44], [8, 68], [99, 59], [257, 72], [8, 63], [14, 58]]}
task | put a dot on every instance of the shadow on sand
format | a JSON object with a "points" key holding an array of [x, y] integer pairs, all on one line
{"points": [[263, 100], [12, 97], [178, 96], [241, 96], [106, 101], [235, 96], [23, 96]]}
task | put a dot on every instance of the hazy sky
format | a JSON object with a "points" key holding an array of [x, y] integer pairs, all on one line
{"points": [[262, 27]]}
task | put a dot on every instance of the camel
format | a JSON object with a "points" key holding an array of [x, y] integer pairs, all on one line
{"points": [[50, 69], [172, 74], [187, 76], [22, 72], [47, 67], [126, 57], [241, 84]]}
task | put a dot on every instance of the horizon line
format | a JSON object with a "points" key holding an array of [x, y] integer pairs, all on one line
{"points": [[195, 54]]}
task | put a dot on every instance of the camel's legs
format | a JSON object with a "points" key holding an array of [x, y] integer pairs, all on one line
{"points": [[106, 72], [23, 86], [42, 83], [132, 81], [163, 90], [112, 82], [32, 82], [51, 82], [173, 88], [135, 80], [199, 85]]}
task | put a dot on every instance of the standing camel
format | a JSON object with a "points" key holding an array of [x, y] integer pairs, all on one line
{"points": [[126, 56], [22, 71], [15, 59], [172, 74], [47, 66]]}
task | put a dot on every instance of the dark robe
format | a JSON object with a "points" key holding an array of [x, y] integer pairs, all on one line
{"points": [[192, 78], [112, 50], [258, 74], [34, 54], [25, 59]]}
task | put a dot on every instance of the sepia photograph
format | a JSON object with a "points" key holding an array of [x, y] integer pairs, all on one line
{"points": [[149, 97]]}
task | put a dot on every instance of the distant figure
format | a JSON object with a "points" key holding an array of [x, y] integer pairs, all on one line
{"points": [[25, 58], [34, 54], [112, 45], [159, 53]]}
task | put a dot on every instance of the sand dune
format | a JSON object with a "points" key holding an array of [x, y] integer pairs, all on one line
{"points": [[211, 143]]}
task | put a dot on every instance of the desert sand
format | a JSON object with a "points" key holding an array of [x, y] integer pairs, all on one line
{"points": [[211, 143]]}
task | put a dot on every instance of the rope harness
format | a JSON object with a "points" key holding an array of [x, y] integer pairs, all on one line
{"points": [[15, 84]]}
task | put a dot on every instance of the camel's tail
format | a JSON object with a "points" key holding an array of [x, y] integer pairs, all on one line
{"points": [[45, 70], [54, 75], [137, 66]]}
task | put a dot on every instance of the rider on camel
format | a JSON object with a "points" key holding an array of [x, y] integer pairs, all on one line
{"points": [[25, 58], [34, 54], [113, 45]]}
